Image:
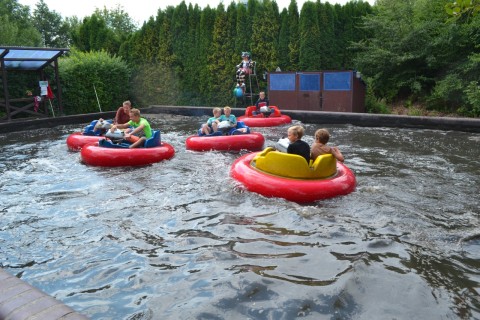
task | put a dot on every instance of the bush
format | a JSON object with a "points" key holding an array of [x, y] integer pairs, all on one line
{"points": [[372, 103], [82, 73]]}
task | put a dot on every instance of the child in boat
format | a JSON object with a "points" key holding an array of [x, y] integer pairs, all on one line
{"points": [[212, 123], [297, 145], [320, 147], [139, 132], [228, 121], [263, 105], [228, 116]]}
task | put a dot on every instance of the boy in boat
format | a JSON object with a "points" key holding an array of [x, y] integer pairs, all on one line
{"points": [[320, 147], [229, 121], [141, 129], [212, 123], [297, 145], [263, 105]]}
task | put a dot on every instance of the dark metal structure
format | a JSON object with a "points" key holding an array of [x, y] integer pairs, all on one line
{"points": [[28, 59], [337, 91]]}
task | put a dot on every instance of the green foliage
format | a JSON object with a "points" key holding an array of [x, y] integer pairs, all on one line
{"points": [[283, 41], [372, 103], [294, 38], [117, 20], [47, 23], [310, 45], [242, 37], [264, 38], [447, 93], [16, 28], [462, 9], [81, 71], [472, 92], [219, 62], [155, 84]]}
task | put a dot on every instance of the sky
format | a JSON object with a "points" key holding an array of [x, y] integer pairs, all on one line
{"points": [[139, 10]]}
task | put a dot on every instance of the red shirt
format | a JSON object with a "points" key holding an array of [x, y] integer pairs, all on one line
{"points": [[121, 117]]}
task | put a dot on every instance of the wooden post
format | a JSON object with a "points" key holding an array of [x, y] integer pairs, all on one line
{"points": [[5, 83]]}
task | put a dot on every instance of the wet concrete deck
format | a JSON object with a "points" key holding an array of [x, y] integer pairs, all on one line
{"points": [[21, 301]]}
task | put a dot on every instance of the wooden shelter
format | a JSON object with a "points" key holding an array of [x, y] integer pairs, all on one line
{"points": [[28, 59], [340, 91]]}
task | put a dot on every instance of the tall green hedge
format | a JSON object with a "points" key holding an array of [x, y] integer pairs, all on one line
{"points": [[81, 73]]}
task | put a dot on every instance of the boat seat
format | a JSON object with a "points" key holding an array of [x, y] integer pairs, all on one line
{"points": [[324, 166], [240, 125], [154, 140], [294, 166], [249, 112]]}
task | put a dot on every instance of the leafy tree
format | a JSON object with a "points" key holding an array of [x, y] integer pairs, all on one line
{"points": [[49, 24], [463, 9], [16, 28], [456, 85], [67, 29], [396, 56], [118, 20], [94, 35]]}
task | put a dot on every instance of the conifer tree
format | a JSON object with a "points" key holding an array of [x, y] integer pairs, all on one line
{"points": [[232, 35], [328, 47], [294, 38], [191, 67], [219, 61], [166, 54], [242, 38], [205, 79], [310, 58], [283, 41], [264, 38]]}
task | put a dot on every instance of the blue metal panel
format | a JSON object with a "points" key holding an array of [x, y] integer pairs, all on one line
{"points": [[282, 82], [337, 81], [309, 82]]}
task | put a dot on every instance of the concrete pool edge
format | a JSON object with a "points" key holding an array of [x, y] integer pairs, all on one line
{"points": [[357, 119], [317, 117], [19, 300]]}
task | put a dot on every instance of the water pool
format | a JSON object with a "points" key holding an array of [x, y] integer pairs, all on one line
{"points": [[180, 239]]}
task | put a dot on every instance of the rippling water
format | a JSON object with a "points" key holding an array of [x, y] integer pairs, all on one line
{"points": [[181, 240]]}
